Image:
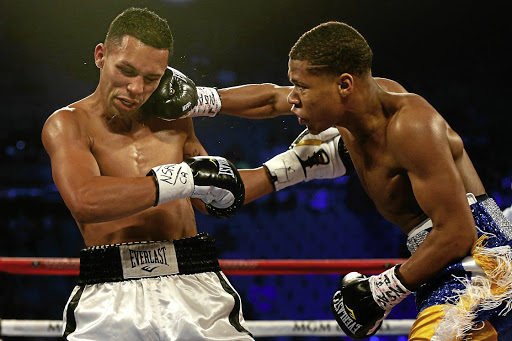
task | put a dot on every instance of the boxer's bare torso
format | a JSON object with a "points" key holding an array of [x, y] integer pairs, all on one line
{"points": [[379, 169], [410, 162], [128, 149], [102, 147]]}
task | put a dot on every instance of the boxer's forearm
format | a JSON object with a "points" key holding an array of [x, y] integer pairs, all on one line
{"points": [[104, 198], [257, 183], [439, 249], [255, 101]]}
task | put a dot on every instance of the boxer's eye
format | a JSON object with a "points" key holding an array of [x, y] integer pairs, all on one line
{"points": [[150, 80], [128, 72]]}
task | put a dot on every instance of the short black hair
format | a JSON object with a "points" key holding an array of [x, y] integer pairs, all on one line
{"points": [[144, 25], [333, 47]]}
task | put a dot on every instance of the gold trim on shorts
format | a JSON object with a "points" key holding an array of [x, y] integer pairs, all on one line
{"points": [[425, 326]]}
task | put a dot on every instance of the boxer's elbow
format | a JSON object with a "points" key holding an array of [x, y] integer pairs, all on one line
{"points": [[458, 247], [84, 208]]}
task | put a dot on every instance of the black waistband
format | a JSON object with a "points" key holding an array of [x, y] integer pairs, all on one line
{"points": [[99, 264], [482, 197]]}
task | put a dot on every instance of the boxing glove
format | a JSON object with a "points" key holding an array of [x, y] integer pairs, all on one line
{"points": [[175, 96], [362, 303], [213, 180], [178, 97], [322, 156]]}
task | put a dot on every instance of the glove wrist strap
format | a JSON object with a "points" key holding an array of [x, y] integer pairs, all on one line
{"points": [[174, 181], [387, 290], [208, 103], [285, 169]]}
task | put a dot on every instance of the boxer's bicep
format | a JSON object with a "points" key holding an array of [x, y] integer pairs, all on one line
{"points": [[70, 155]]}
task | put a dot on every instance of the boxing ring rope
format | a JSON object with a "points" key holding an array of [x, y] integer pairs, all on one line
{"points": [[71, 266], [53, 328]]}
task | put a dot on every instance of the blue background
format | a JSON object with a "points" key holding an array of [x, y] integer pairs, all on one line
{"points": [[455, 54]]}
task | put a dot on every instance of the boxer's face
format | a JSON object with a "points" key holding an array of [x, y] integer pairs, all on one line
{"points": [[130, 73], [314, 98]]}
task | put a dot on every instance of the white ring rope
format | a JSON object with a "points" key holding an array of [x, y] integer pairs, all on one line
{"points": [[53, 328]]}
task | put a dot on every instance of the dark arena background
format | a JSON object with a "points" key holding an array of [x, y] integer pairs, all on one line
{"points": [[453, 53]]}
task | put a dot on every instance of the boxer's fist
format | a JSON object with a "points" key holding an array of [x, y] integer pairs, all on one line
{"points": [[218, 184], [362, 303], [355, 309], [213, 180], [322, 156], [174, 97]]}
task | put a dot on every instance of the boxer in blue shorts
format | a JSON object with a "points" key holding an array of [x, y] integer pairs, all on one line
{"points": [[413, 166], [484, 314]]}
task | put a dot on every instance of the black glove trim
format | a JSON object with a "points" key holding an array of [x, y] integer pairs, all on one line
{"points": [[157, 196], [272, 178], [400, 278], [345, 157]]}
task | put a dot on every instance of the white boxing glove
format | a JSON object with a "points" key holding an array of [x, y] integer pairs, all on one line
{"points": [[322, 156]]}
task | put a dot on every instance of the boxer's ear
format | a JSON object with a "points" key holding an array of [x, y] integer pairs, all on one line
{"points": [[99, 55], [345, 84]]}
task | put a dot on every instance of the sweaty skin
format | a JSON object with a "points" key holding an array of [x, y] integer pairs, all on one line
{"points": [[408, 159], [101, 149]]}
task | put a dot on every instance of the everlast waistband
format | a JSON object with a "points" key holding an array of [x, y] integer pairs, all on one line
{"points": [[120, 262]]}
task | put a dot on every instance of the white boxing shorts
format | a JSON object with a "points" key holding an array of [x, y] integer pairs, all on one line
{"points": [[169, 290]]}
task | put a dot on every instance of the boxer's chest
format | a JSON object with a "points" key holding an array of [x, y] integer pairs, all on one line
{"points": [[134, 154], [386, 183]]}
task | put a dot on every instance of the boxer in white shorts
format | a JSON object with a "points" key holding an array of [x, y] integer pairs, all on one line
{"points": [[131, 179], [154, 291]]}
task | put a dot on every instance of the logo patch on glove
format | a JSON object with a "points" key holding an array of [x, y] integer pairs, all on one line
{"points": [[225, 168], [310, 142], [351, 312], [347, 318], [318, 158]]}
